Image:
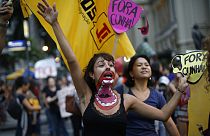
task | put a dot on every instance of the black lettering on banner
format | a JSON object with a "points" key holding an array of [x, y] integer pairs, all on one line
{"points": [[121, 20], [90, 8], [92, 13], [186, 59], [124, 7], [194, 58], [193, 69], [198, 56], [185, 70], [102, 34]]}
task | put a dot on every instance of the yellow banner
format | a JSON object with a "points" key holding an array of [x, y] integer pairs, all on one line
{"points": [[86, 26], [199, 106]]}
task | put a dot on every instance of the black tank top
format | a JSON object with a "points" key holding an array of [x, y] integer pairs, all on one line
{"points": [[98, 124]]}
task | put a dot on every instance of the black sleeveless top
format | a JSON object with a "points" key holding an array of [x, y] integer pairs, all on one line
{"points": [[98, 124]]}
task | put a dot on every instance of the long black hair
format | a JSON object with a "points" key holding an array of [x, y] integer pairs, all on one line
{"points": [[20, 81]]}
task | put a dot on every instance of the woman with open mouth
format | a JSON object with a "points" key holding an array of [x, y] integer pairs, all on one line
{"points": [[103, 109]]}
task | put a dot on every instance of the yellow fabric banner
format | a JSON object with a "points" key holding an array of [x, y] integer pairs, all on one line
{"points": [[199, 106], [86, 26]]}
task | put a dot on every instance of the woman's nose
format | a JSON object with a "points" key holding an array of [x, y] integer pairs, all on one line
{"points": [[107, 67], [143, 66]]}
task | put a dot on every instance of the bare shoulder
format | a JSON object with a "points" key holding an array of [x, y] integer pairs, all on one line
{"points": [[129, 100]]}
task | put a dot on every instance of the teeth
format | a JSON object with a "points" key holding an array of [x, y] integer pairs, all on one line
{"points": [[113, 102], [106, 104], [107, 81]]}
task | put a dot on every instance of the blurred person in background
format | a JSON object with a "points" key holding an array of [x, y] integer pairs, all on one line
{"points": [[33, 98], [56, 123], [197, 37], [163, 89], [24, 126], [2, 102], [157, 72], [6, 11], [181, 112], [75, 119]]}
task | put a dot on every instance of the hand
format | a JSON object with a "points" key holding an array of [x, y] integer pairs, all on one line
{"points": [[49, 99], [38, 108], [50, 14], [182, 84], [6, 11]]}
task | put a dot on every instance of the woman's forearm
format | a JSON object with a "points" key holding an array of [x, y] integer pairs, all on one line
{"points": [[171, 127], [64, 45], [73, 64], [169, 108]]}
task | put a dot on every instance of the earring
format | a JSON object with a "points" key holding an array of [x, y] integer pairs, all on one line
{"points": [[132, 78], [150, 78]]}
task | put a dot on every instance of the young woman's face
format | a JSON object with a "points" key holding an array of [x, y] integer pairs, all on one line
{"points": [[51, 82], [102, 65], [64, 81], [26, 87], [141, 69]]}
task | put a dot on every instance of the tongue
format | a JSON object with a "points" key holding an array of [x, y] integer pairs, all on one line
{"points": [[107, 100]]}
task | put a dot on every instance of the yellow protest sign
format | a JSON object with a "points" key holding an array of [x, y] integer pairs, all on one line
{"points": [[191, 64], [86, 26], [199, 107]]}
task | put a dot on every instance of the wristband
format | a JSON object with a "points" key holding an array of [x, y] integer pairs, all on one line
{"points": [[4, 24], [180, 91]]}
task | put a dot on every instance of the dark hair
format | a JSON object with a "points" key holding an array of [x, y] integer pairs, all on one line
{"points": [[20, 81], [90, 67], [65, 77], [130, 81], [195, 26], [156, 73], [49, 78]]}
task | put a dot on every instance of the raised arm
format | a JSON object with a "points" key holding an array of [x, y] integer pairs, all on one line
{"points": [[148, 111], [6, 11], [50, 14]]}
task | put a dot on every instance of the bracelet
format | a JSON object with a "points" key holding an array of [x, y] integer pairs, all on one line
{"points": [[4, 24], [180, 91]]}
